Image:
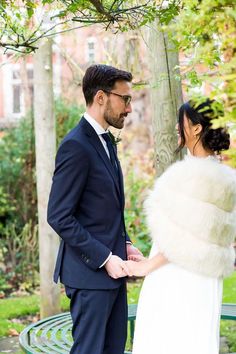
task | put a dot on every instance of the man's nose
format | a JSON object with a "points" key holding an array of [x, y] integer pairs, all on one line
{"points": [[128, 109]]}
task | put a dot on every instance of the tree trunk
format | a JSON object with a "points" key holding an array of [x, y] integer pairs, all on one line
{"points": [[45, 140], [166, 97]]}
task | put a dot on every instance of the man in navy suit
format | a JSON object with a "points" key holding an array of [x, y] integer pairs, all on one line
{"points": [[86, 209]]}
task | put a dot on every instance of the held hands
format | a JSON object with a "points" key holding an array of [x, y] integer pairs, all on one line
{"points": [[136, 261], [134, 256], [139, 266], [117, 268]]}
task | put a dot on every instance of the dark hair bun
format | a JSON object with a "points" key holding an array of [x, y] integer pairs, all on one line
{"points": [[204, 113], [216, 139]]}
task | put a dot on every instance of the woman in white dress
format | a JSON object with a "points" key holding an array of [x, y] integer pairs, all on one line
{"points": [[191, 214]]}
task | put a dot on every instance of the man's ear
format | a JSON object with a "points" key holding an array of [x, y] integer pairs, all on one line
{"points": [[100, 97]]}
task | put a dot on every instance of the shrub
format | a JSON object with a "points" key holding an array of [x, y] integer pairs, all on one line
{"points": [[18, 201]]}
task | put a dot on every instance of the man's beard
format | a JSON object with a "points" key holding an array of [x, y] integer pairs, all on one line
{"points": [[114, 120]]}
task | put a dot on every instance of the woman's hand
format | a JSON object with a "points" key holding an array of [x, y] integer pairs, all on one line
{"points": [[138, 268], [136, 258], [142, 266]]}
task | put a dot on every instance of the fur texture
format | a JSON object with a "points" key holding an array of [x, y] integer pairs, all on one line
{"points": [[191, 214]]}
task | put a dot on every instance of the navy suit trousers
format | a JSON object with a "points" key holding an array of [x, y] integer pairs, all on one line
{"points": [[99, 320]]}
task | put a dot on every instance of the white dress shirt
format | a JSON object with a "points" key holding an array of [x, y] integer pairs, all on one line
{"points": [[98, 129]]}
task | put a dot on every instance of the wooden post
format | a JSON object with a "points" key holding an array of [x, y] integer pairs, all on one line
{"points": [[166, 96], [45, 140]]}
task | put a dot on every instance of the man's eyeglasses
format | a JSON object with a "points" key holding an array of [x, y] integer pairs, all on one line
{"points": [[126, 98]]}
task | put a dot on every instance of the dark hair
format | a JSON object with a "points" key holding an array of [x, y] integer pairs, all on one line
{"points": [[215, 140], [101, 77]]}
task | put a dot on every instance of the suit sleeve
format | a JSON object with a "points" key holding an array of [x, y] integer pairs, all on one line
{"points": [[127, 238], [69, 181]]}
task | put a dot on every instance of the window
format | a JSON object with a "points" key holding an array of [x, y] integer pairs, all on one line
{"points": [[16, 98], [91, 50], [108, 50], [16, 91], [17, 102]]}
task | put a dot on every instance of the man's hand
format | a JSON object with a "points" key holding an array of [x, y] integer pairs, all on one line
{"points": [[132, 251], [117, 268]]}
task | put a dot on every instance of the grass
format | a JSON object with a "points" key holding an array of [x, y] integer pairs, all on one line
{"points": [[12, 308], [20, 307], [133, 291], [228, 328], [229, 294]]}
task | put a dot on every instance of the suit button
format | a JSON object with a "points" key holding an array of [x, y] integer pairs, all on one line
{"points": [[87, 260], [123, 234]]}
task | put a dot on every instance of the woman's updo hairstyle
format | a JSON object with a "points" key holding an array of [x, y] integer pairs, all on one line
{"points": [[215, 140]]}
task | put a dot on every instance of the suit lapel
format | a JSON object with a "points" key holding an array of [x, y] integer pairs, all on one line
{"points": [[96, 142], [121, 184]]}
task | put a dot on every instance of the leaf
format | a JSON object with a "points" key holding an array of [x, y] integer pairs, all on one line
{"points": [[18, 15], [13, 332], [30, 11]]}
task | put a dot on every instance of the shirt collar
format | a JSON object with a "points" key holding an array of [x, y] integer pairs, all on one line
{"points": [[96, 126]]}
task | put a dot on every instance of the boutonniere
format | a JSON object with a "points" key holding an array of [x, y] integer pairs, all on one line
{"points": [[114, 139]]}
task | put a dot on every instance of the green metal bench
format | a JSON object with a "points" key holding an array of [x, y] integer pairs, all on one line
{"points": [[53, 334]]}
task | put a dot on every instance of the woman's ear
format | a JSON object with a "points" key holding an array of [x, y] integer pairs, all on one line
{"points": [[197, 129]]}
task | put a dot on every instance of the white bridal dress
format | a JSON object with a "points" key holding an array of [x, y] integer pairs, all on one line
{"points": [[178, 313]]}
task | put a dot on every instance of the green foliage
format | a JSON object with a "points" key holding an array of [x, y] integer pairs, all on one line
{"points": [[206, 33], [18, 203], [133, 289], [167, 13], [5, 208], [135, 191], [228, 328], [67, 117], [3, 202], [231, 154], [17, 175], [19, 253]]}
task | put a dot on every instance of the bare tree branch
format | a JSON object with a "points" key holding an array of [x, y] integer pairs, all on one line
{"points": [[116, 16]]}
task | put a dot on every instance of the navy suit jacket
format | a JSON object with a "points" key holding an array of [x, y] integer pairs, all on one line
{"points": [[86, 209]]}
